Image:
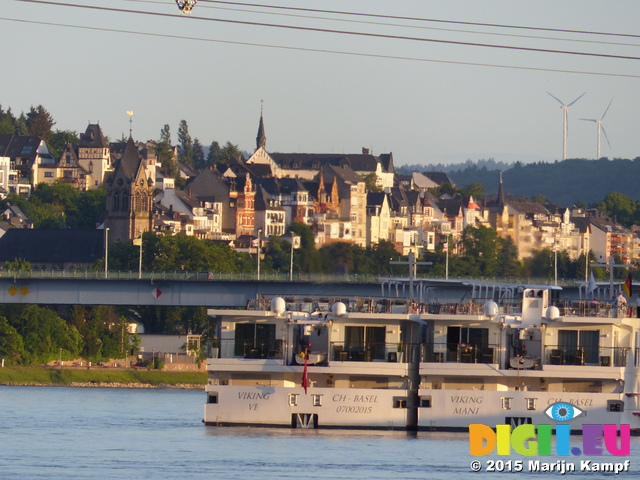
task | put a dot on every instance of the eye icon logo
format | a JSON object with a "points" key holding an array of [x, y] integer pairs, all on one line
{"points": [[563, 412]]}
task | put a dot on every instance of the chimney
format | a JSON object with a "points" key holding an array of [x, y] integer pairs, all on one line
{"points": [[365, 151]]}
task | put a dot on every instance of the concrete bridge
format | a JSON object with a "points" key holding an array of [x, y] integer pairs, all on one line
{"points": [[168, 288], [208, 289]]}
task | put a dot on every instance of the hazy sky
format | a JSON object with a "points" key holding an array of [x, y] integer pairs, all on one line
{"points": [[437, 108]]}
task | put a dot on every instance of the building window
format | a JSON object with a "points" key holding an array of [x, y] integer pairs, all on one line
{"points": [[531, 403], [293, 399], [506, 403], [48, 174], [317, 400], [425, 401], [212, 397]]}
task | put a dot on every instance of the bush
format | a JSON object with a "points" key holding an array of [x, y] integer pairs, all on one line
{"points": [[158, 364]]}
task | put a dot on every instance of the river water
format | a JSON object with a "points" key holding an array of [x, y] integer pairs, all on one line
{"points": [[80, 433]]}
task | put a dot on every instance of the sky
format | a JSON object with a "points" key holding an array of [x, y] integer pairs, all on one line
{"points": [[426, 102]]}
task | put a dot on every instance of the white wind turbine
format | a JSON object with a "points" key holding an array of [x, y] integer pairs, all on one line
{"points": [[565, 108], [600, 127]]}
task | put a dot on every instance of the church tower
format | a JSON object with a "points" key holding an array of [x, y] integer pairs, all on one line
{"points": [[129, 197], [261, 138]]}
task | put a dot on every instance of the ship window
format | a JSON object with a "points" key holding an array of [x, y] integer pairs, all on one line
{"points": [[425, 401], [531, 403], [400, 402], [317, 400], [293, 399], [212, 397], [506, 403], [615, 406]]}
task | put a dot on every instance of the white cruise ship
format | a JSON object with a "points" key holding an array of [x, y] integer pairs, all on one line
{"points": [[391, 363]]}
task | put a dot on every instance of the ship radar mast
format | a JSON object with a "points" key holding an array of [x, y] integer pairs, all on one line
{"points": [[186, 6]]}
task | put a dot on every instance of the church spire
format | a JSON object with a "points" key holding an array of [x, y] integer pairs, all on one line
{"points": [[500, 193], [261, 138]]}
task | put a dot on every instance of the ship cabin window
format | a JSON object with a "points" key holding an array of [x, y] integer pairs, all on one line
{"points": [[579, 347], [506, 403], [212, 397], [365, 343], [615, 406], [465, 344], [255, 340], [425, 401], [400, 402], [317, 400], [293, 399], [531, 403]]}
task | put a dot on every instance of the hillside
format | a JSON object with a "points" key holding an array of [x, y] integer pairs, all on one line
{"points": [[562, 182]]}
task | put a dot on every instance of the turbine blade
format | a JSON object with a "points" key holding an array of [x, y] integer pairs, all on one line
{"points": [[605, 135], [559, 101], [605, 112], [589, 120], [577, 99]]}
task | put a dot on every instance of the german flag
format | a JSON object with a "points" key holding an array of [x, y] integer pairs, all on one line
{"points": [[627, 287]]}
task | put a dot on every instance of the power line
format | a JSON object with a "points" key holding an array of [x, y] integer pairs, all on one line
{"points": [[341, 32], [339, 52], [402, 25], [419, 19]]}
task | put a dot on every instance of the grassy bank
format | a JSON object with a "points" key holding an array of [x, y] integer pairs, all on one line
{"points": [[66, 376]]}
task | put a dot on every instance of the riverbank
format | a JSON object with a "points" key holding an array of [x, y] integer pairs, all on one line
{"points": [[98, 377]]}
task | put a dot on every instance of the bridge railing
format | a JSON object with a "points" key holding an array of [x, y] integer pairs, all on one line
{"points": [[253, 276]]}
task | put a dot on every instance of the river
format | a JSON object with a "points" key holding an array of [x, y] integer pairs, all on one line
{"points": [[109, 433]]}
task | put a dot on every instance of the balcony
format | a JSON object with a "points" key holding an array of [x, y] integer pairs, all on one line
{"points": [[592, 356], [370, 352], [459, 353]]}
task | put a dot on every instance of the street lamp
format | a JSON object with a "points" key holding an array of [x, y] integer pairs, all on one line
{"points": [[138, 242], [106, 251], [258, 250]]}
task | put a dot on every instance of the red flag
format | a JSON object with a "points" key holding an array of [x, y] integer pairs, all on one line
{"points": [[305, 378], [628, 287]]}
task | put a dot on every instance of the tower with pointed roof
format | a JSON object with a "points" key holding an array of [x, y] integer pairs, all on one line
{"points": [[94, 155], [261, 138], [129, 197]]}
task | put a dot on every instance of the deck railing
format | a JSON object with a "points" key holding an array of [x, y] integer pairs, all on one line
{"points": [[459, 353], [586, 355]]}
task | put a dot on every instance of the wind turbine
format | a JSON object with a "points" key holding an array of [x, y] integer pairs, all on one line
{"points": [[600, 127], [565, 108]]}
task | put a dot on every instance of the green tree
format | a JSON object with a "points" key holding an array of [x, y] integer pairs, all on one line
{"points": [[371, 183], [619, 206], [11, 343], [481, 250], [7, 122], [40, 122], [198, 155], [18, 265], [59, 139], [230, 152], [475, 189], [164, 152], [214, 155], [185, 144]]}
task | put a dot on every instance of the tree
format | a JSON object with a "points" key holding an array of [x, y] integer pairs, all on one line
{"points": [[214, 155], [59, 139], [371, 183], [475, 189], [620, 206], [11, 343], [198, 155], [40, 122], [185, 144], [18, 265], [230, 152], [7, 122], [164, 152]]}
